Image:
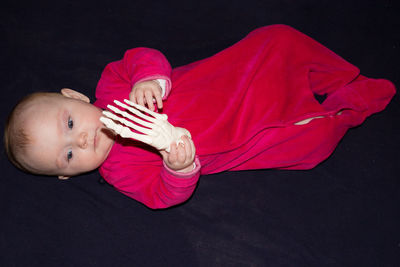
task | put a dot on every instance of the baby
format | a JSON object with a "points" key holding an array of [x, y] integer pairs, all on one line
{"points": [[251, 106]]}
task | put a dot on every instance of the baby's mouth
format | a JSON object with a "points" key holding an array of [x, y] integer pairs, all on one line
{"points": [[95, 141]]}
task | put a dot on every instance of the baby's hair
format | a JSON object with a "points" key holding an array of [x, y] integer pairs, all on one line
{"points": [[16, 138]]}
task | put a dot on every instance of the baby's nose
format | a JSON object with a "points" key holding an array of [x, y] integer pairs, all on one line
{"points": [[82, 140]]}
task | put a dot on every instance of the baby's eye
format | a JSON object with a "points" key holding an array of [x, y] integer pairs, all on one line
{"points": [[69, 155], [70, 123]]}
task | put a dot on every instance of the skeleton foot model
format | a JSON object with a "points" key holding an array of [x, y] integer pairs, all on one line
{"points": [[150, 127]]}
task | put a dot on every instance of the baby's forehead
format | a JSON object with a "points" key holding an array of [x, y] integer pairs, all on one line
{"points": [[37, 114], [49, 98], [41, 104], [43, 128]]}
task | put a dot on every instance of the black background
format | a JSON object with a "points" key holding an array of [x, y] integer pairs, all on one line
{"points": [[344, 212]]}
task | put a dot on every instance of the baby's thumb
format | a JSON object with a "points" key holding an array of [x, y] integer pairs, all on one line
{"points": [[164, 155]]}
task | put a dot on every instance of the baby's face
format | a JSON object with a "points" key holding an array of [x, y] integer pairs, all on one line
{"points": [[68, 137]]}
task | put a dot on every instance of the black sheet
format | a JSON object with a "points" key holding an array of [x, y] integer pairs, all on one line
{"points": [[345, 212]]}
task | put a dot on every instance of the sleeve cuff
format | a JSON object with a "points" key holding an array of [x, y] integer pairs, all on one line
{"points": [[162, 83]]}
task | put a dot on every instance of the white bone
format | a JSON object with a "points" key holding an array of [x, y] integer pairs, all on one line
{"points": [[135, 111], [124, 121], [124, 131], [144, 109], [154, 128]]}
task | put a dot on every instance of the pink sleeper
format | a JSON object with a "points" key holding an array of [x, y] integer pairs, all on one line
{"points": [[250, 106]]}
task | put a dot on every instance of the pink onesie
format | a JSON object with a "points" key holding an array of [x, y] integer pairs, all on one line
{"points": [[241, 106]]}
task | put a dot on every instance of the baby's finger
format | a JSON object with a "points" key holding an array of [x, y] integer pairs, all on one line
{"points": [[140, 97], [149, 100], [158, 98], [140, 101], [188, 147], [172, 157], [132, 97], [181, 156], [193, 149], [164, 154]]}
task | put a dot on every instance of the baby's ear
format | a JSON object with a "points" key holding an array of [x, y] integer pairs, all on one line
{"points": [[61, 177], [74, 94]]}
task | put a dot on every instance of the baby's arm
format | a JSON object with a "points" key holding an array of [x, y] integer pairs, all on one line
{"points": [[149, 72], [140, 174], [138, 65], [148, 65], [154, 185]]}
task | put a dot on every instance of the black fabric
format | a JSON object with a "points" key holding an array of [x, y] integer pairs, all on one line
{"points": [[345, 212]]}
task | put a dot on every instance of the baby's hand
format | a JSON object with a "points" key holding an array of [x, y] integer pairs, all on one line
{"points": [[145, 93], [181, 156]]}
